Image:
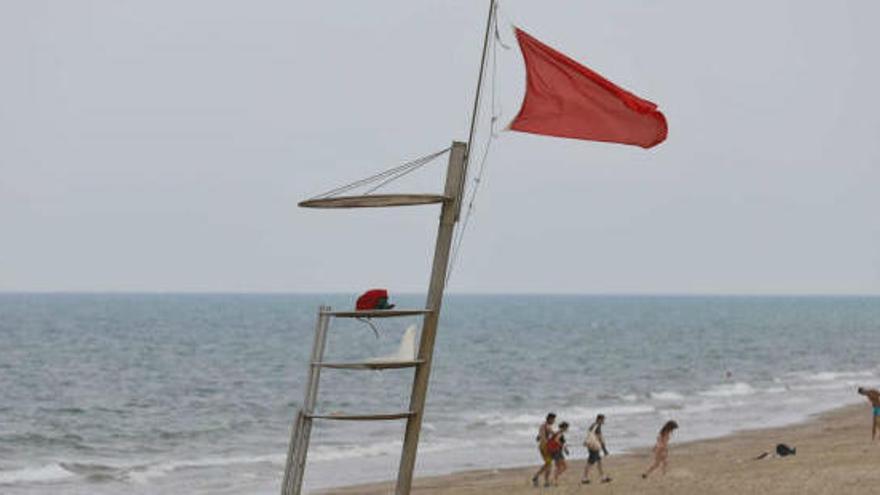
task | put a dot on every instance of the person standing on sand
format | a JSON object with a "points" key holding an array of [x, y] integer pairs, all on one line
{"points": [[594, 443], [556, 447], [661, 450], [873, 395], [545, 432]]}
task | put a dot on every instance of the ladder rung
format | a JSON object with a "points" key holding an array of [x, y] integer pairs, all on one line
{"points": [[378, 313], [361, 417], [376, 365]]}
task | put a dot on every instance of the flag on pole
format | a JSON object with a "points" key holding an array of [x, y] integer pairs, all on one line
{"points": [[565, 99]]}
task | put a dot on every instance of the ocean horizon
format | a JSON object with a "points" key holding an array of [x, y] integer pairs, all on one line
{"points": [[196, 392]]}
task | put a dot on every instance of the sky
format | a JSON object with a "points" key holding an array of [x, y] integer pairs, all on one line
{"points": [[164, 145]]}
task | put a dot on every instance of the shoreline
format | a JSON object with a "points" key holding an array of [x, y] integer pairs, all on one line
{"points": [[834, 455]]}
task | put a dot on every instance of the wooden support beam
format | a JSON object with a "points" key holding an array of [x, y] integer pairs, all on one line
{"points": [[455, 176]]}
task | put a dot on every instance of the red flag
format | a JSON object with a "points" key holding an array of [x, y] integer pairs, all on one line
{"points": [[565, 99]]}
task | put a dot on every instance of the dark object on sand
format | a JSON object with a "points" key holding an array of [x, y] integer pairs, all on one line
{"points": [[782, 450]]}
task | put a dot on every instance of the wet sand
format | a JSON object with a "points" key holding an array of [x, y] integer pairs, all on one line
{"points": [[835, 455]]}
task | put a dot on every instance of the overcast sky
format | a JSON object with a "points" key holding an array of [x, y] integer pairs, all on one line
{"points": [[163, 145]]}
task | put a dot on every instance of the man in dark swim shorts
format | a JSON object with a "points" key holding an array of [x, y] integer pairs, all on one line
{"points": [[594, 443]]}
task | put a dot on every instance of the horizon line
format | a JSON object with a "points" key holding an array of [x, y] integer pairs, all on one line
{"points": [[451, 293]]}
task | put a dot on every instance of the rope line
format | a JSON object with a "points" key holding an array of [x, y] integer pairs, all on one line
{"points": [[370, 324], [385, 177], [401, 174], [478, 177]]}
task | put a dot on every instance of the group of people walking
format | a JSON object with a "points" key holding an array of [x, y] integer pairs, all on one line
{"points": [[553, 445], [553, 448]]}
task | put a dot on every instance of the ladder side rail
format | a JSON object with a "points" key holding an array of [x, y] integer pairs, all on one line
{"points": [[293, 474], [311, 399], [448, 218], [295, 434], [317, 357], [293, 451], [291, 470]]}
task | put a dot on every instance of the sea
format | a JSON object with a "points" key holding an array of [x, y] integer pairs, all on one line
{"points": [[196, 394]]}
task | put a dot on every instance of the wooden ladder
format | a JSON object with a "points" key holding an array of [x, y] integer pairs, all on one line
{"points": [[301, 431]]}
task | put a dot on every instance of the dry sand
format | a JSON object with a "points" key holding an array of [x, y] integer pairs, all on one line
{"points": [[834, 455]]}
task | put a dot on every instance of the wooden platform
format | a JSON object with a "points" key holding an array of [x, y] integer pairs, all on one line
{"points": [[374, 201], [378, 313]]}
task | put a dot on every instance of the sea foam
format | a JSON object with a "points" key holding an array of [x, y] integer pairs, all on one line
{"points": [[35, 474]]}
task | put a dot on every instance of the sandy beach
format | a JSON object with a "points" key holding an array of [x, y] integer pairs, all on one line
{"points": [[834, 455]]}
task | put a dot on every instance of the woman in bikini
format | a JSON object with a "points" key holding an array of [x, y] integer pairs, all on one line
{"points": [[661, 449], [556, 447]]}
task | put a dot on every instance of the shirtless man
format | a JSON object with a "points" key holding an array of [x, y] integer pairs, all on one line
{"points": [[873, 396], [544, 434]]}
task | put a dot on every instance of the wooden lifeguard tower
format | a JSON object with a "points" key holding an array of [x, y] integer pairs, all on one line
{"points": [[450, 202]]}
